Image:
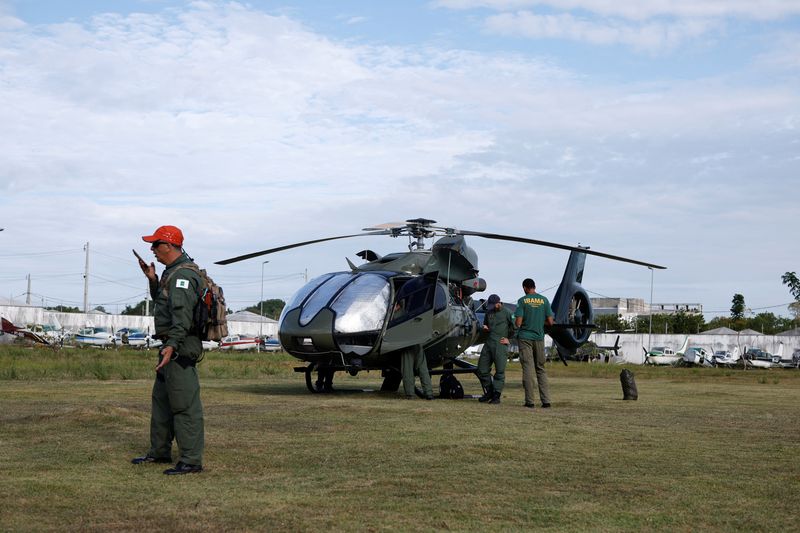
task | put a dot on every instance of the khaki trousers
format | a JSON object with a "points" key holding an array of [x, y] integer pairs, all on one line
{"points": [[531, 356]]}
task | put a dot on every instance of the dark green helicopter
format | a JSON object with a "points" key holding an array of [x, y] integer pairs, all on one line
{"points": [[363, 318]]}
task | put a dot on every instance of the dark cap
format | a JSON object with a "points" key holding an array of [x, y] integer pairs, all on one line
{"points": [[493, 299]]}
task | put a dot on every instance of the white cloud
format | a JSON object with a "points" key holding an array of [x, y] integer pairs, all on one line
{"points": [[250, 131], [750, 9], [650, 36]]}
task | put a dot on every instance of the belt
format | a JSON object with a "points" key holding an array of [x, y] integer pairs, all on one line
{"points": [[184, 361]]}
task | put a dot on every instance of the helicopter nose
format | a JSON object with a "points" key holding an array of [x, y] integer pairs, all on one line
{"points": [[340, 313]]}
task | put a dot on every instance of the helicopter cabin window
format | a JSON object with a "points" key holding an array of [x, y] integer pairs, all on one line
{"points": [[412, 300], [440, 299]]}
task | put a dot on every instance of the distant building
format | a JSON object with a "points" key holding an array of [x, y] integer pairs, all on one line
{"points": [[627, 308], [671, 309]]}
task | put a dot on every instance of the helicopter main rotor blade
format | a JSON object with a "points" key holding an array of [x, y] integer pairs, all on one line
{"points": [[556, 245], [296, 245]]}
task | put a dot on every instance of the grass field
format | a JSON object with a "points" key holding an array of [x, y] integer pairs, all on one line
{"points": [[702, 450]]}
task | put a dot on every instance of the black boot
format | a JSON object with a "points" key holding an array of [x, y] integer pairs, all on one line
{"points": [[488, 395], [495, 399]]}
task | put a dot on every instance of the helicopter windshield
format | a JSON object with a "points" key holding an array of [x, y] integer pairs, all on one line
{"points": [[322, 295], [303, 293], [358, 300], [362, 305]]}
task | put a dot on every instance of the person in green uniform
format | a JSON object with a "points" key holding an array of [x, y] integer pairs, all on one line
{"points": [[413, 358], [533, 312], [498, 323], [177, 411]]}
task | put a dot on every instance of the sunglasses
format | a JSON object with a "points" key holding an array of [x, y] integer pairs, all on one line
{"points": [[157, 244]]}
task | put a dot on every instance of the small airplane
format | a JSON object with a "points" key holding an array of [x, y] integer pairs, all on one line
{"points": [[239, 342], [697, 355], [364, 317], [607, 358], [95, 336], [786, 361], [135, 338], [664, 355], [726, 358], [209, 345], [270, 344], [9, 328], [756, 358]]}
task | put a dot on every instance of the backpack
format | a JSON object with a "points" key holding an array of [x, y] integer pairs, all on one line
{"points": [[209, 318]]}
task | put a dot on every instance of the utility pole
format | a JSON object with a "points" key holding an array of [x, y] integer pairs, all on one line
{"points": [[650, 332], [305, 275], [261, 310], [147, 299], [86, 282], [28, 294]]}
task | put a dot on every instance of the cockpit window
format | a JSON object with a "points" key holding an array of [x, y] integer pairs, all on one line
{"points": [[362, 305], [303, 293], [322, 296]]}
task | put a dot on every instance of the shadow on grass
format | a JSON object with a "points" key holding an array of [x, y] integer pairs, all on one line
{"points": [[281, 389]]}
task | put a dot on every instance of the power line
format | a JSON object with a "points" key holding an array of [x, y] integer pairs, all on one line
{"points": [[41, 254], [116, 282], [752, 308], [127, 261]]}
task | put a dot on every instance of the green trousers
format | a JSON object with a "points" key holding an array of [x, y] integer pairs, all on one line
{"points": [[177, 413], [493, 353], [413, 358], [531, 356]]}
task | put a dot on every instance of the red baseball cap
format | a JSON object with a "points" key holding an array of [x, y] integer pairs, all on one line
{"points": [[169, 234]]}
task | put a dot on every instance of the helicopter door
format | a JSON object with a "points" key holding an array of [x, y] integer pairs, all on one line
{"points": [[411, 321]]}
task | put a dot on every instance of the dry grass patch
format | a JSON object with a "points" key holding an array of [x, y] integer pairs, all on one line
{"points": [[699, 451]]}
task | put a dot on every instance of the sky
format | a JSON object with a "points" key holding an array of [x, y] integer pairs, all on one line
{"points": [[667, 131]]}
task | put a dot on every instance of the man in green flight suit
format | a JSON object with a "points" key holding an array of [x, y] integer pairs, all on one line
{"points": [[176, 408], [498, 322], [533, 312], [412, 358]]}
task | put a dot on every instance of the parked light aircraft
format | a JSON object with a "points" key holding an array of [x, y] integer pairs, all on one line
{"points": [[135, 338], [9, 328], [725, 358], [664, 355], [95, 336], [697, 355]]}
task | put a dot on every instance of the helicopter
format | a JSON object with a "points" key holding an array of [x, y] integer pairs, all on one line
{"points": [[362, 318]]}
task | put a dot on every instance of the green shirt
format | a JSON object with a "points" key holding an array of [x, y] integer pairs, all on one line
{"points": [[173, 313], [534, 309], [500, 323]]}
